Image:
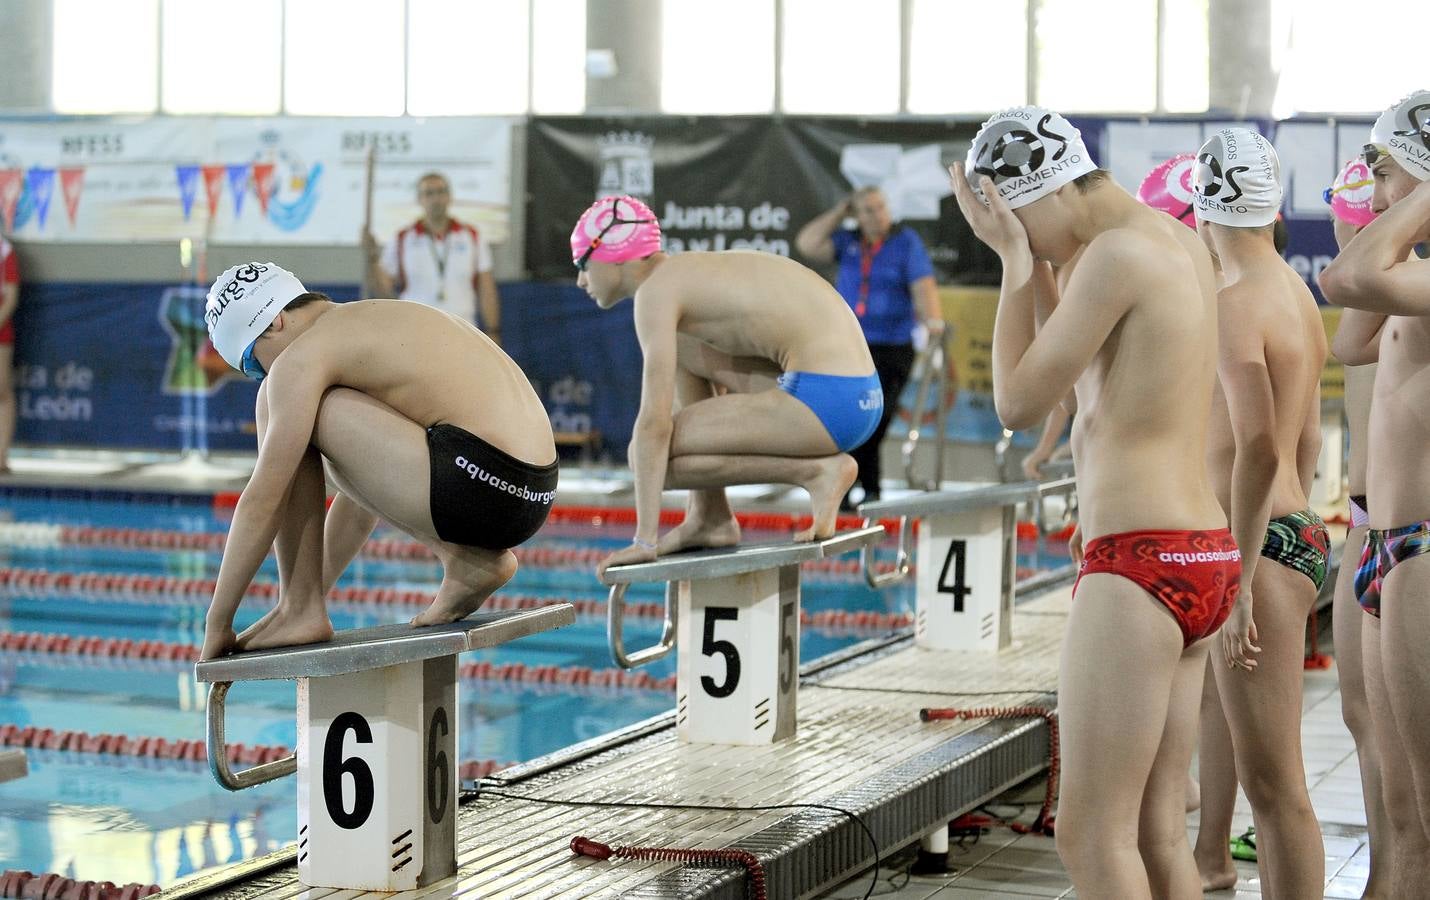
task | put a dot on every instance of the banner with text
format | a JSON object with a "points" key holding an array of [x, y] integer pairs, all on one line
{"points": [[288, 180], [163, 387], [733, 183]]}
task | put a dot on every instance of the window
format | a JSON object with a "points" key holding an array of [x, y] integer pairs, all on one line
{"points": [[1096, 61], [1320, 74], [338, 62], [840, 56], [106, 56], [558, 64], [952, 70], [466, 58], [717, 57], [240, 82], [1186, 57]]}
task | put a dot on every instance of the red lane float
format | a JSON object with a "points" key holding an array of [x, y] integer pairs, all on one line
{"points": [[108, 584], [399, 549], [33, 738], [25, 885], [70, 645]]}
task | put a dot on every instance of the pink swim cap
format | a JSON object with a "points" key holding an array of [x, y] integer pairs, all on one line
{"points": [[1168, 187], [615, 230], [1350, 194]]}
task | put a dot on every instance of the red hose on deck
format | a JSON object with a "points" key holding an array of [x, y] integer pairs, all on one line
{"points": [[584, 846], [1043, 824]]}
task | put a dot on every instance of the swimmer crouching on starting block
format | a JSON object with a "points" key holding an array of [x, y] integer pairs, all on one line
{"points": [[755, 372], [417, 418]]}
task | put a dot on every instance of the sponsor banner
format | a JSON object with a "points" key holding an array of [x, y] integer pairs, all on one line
{"points": [[163, 387], [287, 180], [746, 183]]}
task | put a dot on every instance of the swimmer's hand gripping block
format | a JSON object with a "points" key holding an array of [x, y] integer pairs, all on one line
{"points": [[734, 615], [377, 744]]}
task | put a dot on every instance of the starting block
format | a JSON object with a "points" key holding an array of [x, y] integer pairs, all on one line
{"points": [[734, 615], [967, 561], [377, 743]]}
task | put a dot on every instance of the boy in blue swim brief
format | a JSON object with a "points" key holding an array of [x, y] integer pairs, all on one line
{"points": [[848, 407], [754, 371]]}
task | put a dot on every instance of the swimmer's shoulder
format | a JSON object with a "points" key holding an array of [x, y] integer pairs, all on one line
{"points": [[1124, 259]]}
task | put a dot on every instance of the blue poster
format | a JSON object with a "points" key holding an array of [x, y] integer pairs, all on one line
{"points": [[127, 366]]}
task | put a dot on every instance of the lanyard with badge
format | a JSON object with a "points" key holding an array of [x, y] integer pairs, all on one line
{"points": [[440, 260], [867, 252]]}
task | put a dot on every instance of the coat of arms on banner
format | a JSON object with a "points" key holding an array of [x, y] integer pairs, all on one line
{"points": [[194, 367], [624, 164]]}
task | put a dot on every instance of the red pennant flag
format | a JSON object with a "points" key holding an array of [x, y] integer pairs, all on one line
{"points": [[71, 185], [263, 184], [213, 185], [11, 184]]}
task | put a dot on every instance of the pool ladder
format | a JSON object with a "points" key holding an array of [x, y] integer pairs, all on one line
{"points": [[930, 372]]}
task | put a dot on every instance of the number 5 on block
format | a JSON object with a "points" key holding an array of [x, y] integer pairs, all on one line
{"points": [[738, 668]]}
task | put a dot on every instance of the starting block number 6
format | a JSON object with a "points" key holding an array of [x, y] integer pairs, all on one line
{"points": [[739, 688], [384, 791]]}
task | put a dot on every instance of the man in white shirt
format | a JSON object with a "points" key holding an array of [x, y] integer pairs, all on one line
{"points": [[438, 260]]}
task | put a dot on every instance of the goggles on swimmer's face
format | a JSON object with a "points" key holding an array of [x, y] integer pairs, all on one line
{"points": [[585, 258], [1374, 153], [249, 364], [1333, 190]]}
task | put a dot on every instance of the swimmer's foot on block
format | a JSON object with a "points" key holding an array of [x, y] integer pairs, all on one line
{"points": [[696, 534], [830, 479], [466, 585], [287, 625]]}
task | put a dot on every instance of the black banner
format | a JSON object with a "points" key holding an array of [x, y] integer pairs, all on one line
{"points": [[727, 183]]}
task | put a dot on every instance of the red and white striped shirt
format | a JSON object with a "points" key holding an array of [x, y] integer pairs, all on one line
{"points": [[438, 271]]}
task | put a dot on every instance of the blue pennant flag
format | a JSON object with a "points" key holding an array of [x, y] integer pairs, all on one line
{"points": [[188, 177], [40, 182], [238, 186]]}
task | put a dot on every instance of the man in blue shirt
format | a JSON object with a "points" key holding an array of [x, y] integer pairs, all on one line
{"points": [[887, 279]]}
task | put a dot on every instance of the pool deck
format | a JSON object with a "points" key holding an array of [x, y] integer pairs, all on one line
{"points": [[861, 747]]}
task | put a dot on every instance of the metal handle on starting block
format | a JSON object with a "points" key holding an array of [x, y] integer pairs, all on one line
{"points": [[218, 750], [903, 562], [615, 619]]}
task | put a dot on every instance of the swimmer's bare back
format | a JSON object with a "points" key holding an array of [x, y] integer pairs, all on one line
{"points": [[1139, 438], [428, 365], [1274, 310], [749, 304]]}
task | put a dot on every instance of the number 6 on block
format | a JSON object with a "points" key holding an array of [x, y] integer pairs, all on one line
{"points": [[737, 672], [376, 805]]}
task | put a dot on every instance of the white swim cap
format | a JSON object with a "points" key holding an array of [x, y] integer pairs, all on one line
{"points": [[1029, 152], [243, 301], [1237, 179], [1404, 130]]}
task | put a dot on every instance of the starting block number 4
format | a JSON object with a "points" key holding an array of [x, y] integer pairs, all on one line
{"points": [[737, 670], [377, 799], [963, 595]]}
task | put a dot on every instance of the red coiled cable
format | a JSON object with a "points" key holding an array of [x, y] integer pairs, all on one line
{"points": [[1043, 824], [584, 846]]}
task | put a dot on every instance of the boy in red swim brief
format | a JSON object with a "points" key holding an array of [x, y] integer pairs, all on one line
{"points": [[1194, 574]]}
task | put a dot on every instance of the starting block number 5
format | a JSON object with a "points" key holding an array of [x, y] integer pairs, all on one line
{"points": [[739, 684], [374, 808]]}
